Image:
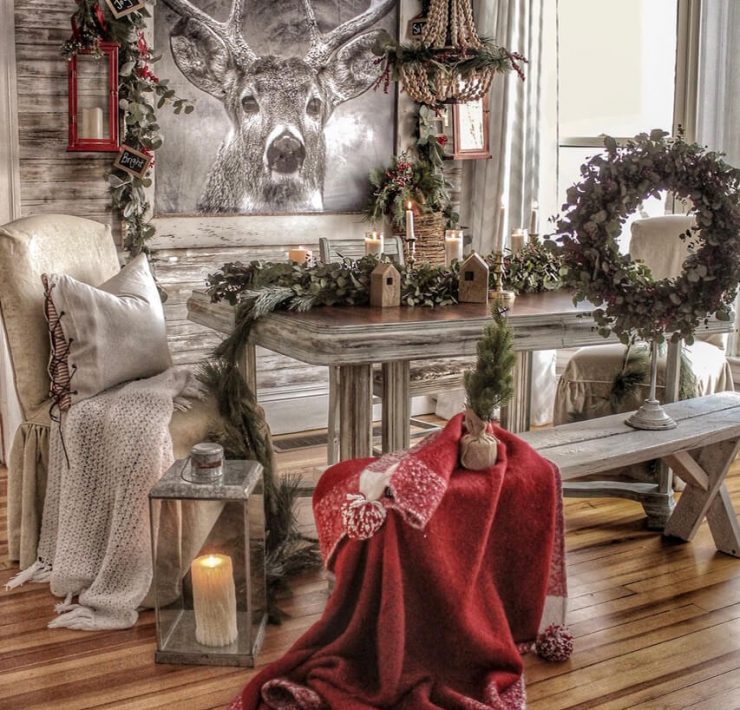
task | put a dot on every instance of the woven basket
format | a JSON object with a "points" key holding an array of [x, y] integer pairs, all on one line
{"points": [[429, 230]]}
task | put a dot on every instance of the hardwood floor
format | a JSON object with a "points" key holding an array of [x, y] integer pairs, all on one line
{"points": [[657, 625]]}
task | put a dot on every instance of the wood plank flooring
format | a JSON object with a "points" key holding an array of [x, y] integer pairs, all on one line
{"points": [[657, 625]]}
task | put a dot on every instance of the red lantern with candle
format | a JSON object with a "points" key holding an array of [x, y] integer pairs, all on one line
{"points": [[93, 98]]}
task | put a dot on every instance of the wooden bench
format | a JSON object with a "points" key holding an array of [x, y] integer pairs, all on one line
{"points": [[700, 450]]}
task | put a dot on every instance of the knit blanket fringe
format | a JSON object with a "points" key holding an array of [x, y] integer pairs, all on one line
{"points": [[105, 454]]}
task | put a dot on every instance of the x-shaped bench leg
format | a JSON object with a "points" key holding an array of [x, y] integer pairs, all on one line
{"points": [[706, 496]]}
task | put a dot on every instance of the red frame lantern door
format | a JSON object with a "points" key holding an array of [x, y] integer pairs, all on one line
{"points": [[93, 116]]}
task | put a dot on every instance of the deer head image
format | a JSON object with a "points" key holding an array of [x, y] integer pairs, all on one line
{"points": [[273, 159]]}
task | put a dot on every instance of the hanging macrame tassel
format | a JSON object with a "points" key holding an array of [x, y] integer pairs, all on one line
{"points": [[38, 572]]}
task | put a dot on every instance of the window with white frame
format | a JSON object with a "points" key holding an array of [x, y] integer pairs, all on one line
{"points": [[616, 76]]}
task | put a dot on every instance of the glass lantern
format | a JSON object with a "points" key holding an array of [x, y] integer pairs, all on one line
{"points": [[208, 549], [93, 99]]}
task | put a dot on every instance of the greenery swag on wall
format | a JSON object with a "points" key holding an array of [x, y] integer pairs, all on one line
{"points": [[141, 93]]}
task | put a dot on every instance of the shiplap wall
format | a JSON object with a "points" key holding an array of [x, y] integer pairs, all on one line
{"points": [[55, 181]]}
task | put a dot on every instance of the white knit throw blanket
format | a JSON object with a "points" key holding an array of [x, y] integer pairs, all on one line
{"points": [[103, 459]]}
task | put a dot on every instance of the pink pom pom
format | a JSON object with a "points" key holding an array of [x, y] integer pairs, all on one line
{"points": [[362, 518], [555, 644]]}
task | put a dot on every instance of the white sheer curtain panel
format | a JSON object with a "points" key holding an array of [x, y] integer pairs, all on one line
{"points": [[718, 101], [514, 172]]}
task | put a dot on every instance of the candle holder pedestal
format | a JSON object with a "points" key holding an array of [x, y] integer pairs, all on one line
{"points": [[499, 295], [651, 415], [208, 552]]}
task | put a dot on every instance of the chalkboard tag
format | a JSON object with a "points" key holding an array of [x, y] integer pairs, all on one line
{"points": [[121, 8], [134, 162]]}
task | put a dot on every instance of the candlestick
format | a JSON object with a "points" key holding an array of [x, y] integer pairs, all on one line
{"points": [[410, 236], [300, 255], [517, 240], [453, 245], [533, 219], [502, 298], [214, 600], [373, 243], [92, 123]]}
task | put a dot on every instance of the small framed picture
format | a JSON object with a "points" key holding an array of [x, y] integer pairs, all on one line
{"points": [[415, 27], [121, 8], [471, 130], [134, 162]]}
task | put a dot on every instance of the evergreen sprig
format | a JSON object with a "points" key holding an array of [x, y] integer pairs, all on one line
{"points": [[491, 384], [140, 93]]}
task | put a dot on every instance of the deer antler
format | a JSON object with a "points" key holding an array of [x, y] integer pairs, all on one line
{"points": [[228, 32], [324, 45]]}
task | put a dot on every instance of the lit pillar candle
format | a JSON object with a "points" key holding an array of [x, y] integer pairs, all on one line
{"points": [[518, 240], [533, 226], [92, 123], [453, 245], [409, 221], [214, 600], [500, 233], [373, 243], [300, 255]]}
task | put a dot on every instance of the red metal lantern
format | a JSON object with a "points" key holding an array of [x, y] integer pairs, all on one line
{"points": [[93, 99]]}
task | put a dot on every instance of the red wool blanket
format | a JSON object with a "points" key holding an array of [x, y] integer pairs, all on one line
{"points": [[443, 576]]}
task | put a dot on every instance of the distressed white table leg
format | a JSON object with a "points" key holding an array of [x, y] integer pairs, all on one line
{"points": [[517, 415], [355, 411], [332, 445], [247, 365], [396, 405], [713, 503]]}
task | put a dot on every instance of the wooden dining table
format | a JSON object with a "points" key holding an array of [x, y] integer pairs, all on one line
{"points": [[354, 338]]}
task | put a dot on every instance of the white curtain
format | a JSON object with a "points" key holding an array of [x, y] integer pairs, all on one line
{"points": [[523, 135], [520, 149], [718, 100]]}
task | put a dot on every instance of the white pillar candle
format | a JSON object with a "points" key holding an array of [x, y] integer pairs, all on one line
{"points": [[214, 600], [300, 255], [453, 246], [409, 221], [92, 123], [373, 243], [517, 241], [499, 241], [533, 226]]}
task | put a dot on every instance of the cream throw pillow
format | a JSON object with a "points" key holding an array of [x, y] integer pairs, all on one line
{"points": [[111, 334]]}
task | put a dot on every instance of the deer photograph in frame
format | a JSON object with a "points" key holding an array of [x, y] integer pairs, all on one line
{"points": [[287, 119]]}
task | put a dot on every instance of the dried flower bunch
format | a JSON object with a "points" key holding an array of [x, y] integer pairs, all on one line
{"points": [[632, 304]]}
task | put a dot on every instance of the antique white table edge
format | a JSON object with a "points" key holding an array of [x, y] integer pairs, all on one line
{"points": [[353, 348]]}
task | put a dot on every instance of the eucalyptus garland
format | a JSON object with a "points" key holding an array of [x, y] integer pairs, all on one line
{"points": [[141, 92], [534, 269], [633, 304]]}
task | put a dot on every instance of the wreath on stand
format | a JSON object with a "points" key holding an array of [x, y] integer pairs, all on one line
{"points": [[631, 304]]}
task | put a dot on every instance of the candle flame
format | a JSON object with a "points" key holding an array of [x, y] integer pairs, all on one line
{"points": [[535, 205], [211, 561], [408, 205]]}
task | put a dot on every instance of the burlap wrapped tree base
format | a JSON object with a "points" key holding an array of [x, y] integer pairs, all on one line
{"points": [[430, 239]]}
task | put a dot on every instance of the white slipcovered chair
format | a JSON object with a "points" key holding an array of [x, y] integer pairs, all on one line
{"points": [[584, 389], [84, 250]]}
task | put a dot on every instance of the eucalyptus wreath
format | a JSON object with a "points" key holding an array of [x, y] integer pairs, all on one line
{"points": [[631, 303]]}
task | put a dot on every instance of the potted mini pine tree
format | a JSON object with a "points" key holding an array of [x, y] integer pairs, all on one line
{"points": [[489, 386]]}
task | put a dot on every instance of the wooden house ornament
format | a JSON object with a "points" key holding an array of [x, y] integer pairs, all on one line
{"points": [[473, 285], [385, 286]]}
